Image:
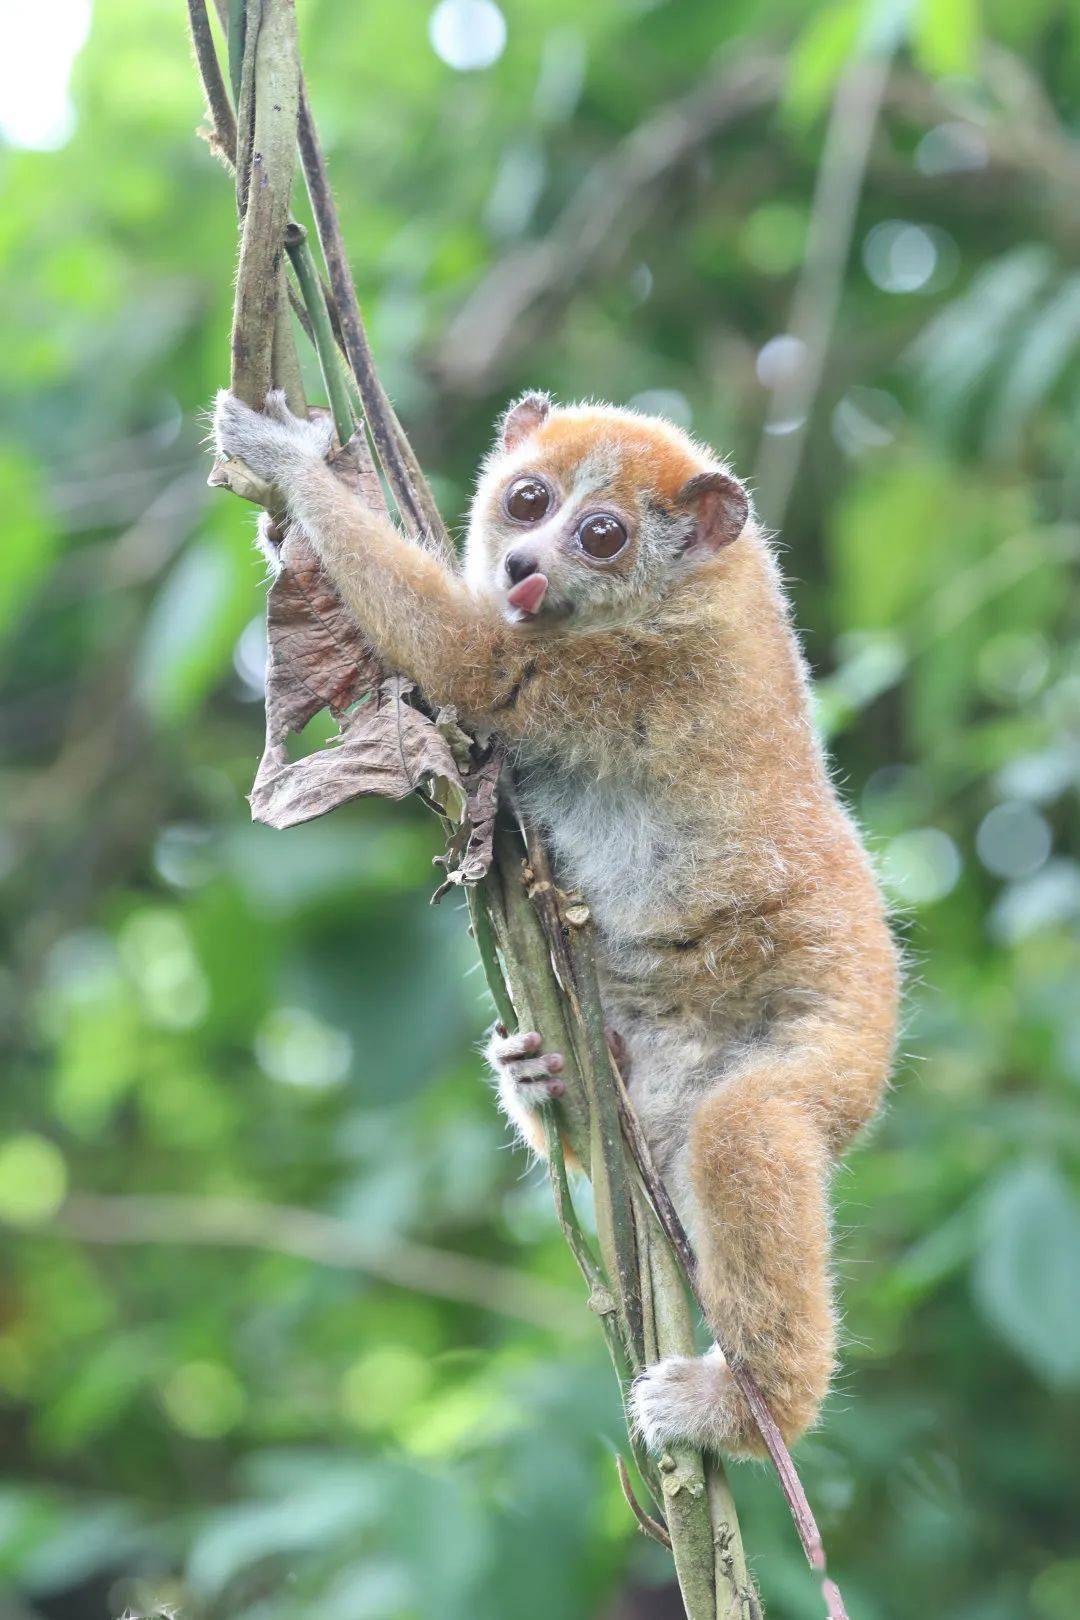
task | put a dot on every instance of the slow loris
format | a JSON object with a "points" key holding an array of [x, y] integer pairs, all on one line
{"points": [[620, 622]]}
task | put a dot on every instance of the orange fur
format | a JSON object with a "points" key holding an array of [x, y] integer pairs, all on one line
{"points": [[660, 722], [655, 454]]}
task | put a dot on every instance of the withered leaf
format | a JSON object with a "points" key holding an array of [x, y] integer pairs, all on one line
{"points": [[317, 659], [482, 793]]}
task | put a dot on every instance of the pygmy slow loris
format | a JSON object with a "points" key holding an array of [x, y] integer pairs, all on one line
{"points": [[620, 622]]}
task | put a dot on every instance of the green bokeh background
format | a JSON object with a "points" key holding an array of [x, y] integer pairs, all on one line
{"points": [[197, 1007]]}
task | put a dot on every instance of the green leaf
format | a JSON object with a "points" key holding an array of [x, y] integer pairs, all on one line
{"points": [[208, 598], [928, 1263], [883, 540], [343, 1501], [945, 36], [1027, 1274], [1044, 352], [84, 1541], [29, 541], [962, 345], [98, 1394], [818, 58]]}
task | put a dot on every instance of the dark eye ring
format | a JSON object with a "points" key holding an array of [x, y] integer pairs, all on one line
{"points": [[527, 500], [602, 536]]}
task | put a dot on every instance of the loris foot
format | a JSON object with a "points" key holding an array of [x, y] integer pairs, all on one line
{"points": [[689, 1400], [526, 1074]]}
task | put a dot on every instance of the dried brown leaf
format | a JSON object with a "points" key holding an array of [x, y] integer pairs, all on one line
{"points": [[482, 793], [386, 745]]}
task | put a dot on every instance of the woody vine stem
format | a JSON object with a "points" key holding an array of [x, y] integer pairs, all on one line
{"points": [[536, 943]]}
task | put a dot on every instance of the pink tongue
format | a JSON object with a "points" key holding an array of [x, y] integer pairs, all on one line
{"points": [[529, 593]]}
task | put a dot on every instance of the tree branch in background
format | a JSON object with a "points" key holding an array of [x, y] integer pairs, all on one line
{"points": [[533, 283], [324, 1240], [530, 287], [850, 132], [1021, 128]]}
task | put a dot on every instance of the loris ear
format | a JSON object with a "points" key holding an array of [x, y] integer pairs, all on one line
{"points": [[720, 505], [523, 417]]}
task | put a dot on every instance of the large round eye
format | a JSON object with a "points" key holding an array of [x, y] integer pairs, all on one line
{"points": [[527, 500], [602, 536]]}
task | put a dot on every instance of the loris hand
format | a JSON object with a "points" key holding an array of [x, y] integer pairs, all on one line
{"points": [[273, 443]]}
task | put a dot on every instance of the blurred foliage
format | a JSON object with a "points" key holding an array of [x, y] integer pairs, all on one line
{"points": [[201, 1008]]}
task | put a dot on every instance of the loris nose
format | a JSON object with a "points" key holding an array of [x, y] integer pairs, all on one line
{"points": [[520, 564]]}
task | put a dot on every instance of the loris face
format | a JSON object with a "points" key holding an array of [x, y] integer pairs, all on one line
{"points": [[583, 514]]}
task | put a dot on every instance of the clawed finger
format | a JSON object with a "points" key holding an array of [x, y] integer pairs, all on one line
{"points": [[512, 1047], [540, 1085], [277, 407], [522, 1070]]}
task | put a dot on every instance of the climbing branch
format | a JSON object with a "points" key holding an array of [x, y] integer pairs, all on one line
{"points": [[265, 159], [537, 945], [410, 488]]}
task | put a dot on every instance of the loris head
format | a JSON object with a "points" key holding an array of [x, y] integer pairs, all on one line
{"points": [[583, 515]]}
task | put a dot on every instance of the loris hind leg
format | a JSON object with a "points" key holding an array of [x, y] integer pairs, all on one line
{"points": [[759, 1171]]}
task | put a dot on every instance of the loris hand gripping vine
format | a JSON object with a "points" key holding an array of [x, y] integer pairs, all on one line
{"points": [[621, 623]]}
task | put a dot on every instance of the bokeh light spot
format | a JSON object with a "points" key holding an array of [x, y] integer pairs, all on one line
{"points": [[467, 34], [203, 1399], [38, 47], [921, 866], [155, 948], [669, 402], [1014, 665], [641, 283], [298, 1049], [1013, 840], [383, 1384], [952, 148], [866, 419], [773, 238], [779, 360], [1047, 900], [249, 658], [184, 856], [33, 1179], [900, 257]]}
